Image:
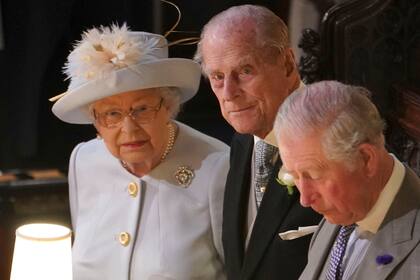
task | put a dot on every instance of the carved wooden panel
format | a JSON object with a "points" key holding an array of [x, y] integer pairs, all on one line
{"points": [[376, 44]]}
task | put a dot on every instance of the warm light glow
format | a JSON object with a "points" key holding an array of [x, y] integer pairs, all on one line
{"points": [[42, 251]]}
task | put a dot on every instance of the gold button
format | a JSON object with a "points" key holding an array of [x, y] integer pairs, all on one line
{"points": [[262, 189], [124, 238], [133, 189]]}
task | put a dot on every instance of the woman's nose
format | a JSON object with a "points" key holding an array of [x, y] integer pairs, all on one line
{"points": [[128, 124]]}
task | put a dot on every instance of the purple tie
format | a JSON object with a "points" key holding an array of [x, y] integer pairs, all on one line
{"points": [[335, 271]]}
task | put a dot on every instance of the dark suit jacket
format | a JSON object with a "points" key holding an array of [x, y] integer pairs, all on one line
{"points": [[267, 256], [398, 235]]}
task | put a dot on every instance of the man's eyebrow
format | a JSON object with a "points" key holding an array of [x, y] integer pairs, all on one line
{"points": [[246, 60], [243, 61]]}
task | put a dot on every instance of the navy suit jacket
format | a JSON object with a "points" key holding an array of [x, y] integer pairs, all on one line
{"points": [[267, 256]]}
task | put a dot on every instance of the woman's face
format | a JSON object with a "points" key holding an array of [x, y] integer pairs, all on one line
{"points": [[139, 139]]}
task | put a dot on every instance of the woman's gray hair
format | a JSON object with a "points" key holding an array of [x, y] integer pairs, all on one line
{"points": [[344, 114], [172, 99], [270, 30]]}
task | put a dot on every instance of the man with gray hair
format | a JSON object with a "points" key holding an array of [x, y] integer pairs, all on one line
{"points": [[245, 54], [330, 138]]}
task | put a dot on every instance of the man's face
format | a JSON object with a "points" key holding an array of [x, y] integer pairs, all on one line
{"points": [[249, 89], [342, 196]]}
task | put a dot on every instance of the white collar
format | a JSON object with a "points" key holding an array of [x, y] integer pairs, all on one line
{"points": [[376, 215]]}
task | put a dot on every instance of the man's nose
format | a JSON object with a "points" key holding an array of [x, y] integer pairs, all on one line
{"points": [[231, 88], [307, 193]]}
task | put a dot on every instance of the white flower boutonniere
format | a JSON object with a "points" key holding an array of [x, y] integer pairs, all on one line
{"points": [[286, 180]]}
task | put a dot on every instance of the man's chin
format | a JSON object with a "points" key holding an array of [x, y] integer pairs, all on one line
{"points": [[245, 131], [241, 129], [247, 128], [338, 220]]}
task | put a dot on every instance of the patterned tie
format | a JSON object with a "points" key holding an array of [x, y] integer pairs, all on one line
{"points": [[264, 154], [335, 271]]}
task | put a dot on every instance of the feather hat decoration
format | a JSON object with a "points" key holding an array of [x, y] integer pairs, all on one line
{"points": [[112, 60], [102, 51]]}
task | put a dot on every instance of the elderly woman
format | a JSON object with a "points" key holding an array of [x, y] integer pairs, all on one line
{"points": [[146, 195]]}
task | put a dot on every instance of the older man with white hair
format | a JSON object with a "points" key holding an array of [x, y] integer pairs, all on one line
{"points": [[245, 53], [330, 138]]}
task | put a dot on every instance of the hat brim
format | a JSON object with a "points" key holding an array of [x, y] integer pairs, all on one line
{"points": [[184, 74]]}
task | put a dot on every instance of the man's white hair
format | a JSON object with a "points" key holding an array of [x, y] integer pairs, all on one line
{"points": [[344, 115], [269, 29]]}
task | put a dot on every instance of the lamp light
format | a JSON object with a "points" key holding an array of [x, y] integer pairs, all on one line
{"points": [[42, 251]]}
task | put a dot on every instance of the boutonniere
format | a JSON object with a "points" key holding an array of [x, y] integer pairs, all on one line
{"points": [[384, 259], [286, 180]]}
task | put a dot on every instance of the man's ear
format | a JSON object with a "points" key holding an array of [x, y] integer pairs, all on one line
{"points": [[289, 62], [369, 155]]}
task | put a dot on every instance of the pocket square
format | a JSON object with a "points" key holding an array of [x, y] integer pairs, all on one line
{"points": [[301, 231]]}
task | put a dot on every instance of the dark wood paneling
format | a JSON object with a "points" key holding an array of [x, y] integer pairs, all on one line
{"points": [[376, 44]]}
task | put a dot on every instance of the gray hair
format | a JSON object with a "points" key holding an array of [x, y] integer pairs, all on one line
{"points": [[172, 99], [344, 114], [269, 29]]}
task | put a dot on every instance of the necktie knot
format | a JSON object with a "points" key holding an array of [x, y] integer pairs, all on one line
{"points": [[264, 154]]}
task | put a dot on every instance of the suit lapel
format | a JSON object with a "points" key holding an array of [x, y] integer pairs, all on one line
{"points": [[319, 250], [397, 239], [236, 201], [274, 207], [398, 235]]}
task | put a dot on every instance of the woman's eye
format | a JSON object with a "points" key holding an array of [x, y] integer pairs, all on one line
{"points": [[139, 110], [112, 113]]}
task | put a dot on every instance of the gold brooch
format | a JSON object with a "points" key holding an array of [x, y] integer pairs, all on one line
{"points": [[184, 175]]}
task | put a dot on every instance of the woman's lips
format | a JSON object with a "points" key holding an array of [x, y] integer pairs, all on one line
{"points": [[134, 144]]}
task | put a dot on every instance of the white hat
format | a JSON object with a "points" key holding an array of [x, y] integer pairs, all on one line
{"points": [[113, 60]]}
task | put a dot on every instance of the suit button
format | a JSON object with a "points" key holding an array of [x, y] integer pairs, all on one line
{"points": [[124, 238], [133, 189], [262, 189]]}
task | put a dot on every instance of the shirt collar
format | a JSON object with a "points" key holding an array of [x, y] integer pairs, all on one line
{"points": [[376, 215], [256, 139]]}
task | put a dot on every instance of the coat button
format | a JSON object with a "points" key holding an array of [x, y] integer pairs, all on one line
{"points": [[124, 238], [133, 189], [262, 189]]}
